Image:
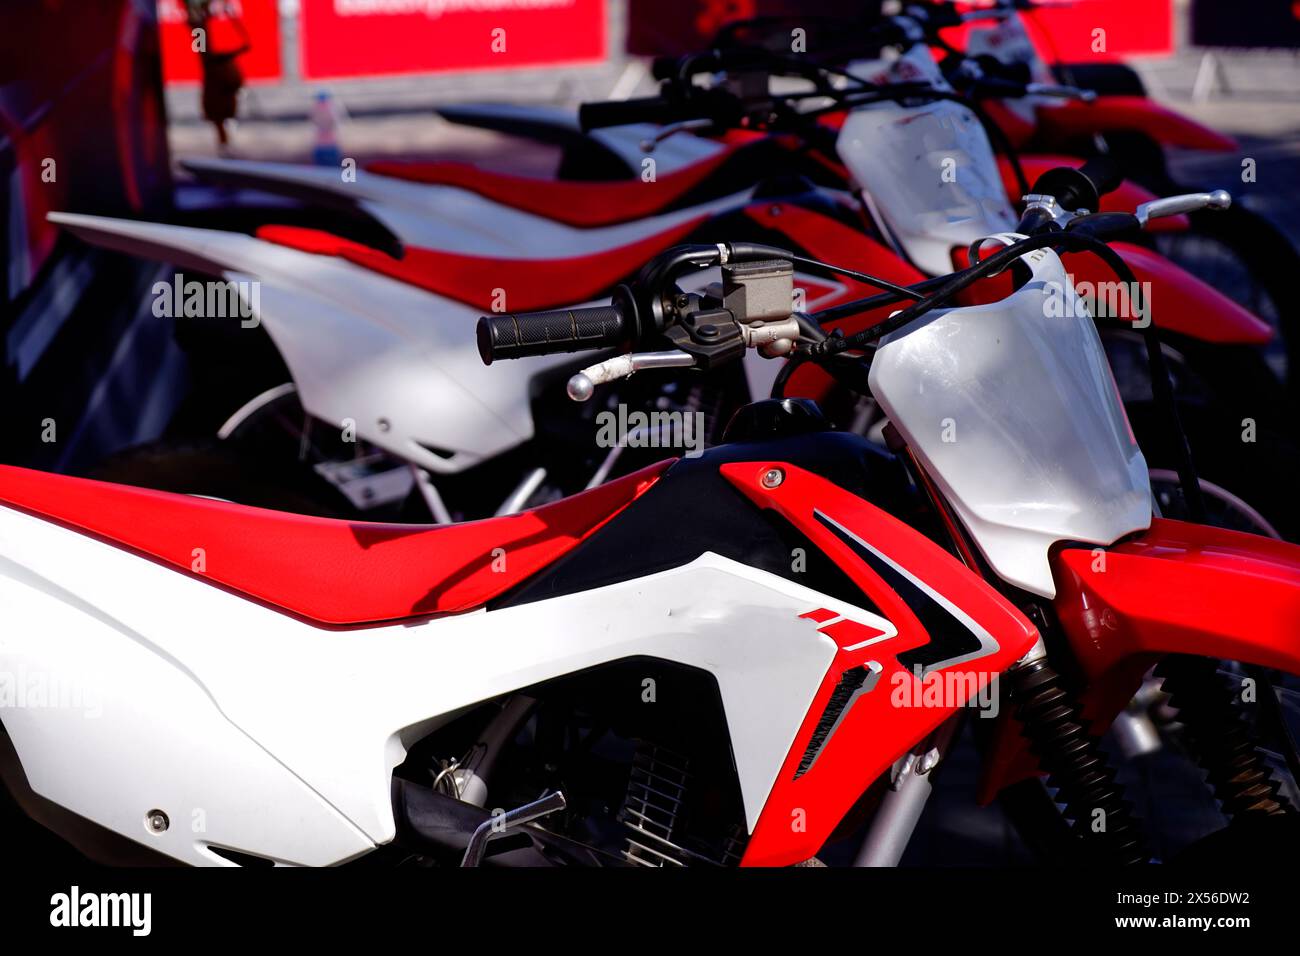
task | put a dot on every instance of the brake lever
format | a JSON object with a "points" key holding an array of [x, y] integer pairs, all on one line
{"points": [[1177, 205], [583, 384], [986, 13], [1061, 92], [685, 126]]}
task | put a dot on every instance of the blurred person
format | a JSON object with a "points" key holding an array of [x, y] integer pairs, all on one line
{"points": [[326, 114], [224, 40]]}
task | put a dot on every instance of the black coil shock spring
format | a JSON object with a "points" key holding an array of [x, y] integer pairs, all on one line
{"points": [[1075, 766], [1221, 737]]}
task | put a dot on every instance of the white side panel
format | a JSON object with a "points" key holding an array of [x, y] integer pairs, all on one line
{"points": [[371, 350], [110, 726], [1013, 410], [330, 706], [458, 220], [360, 346]]}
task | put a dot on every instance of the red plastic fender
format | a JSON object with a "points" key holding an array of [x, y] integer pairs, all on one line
{"points": [[1179, 301], [872, 707], [1185, 588], [475, 280], [1127, 197], [1073, 119], [1176, 588]]}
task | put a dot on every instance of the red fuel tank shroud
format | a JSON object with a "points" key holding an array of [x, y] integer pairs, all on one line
{"points": [[1176, 588], [871, 708], [1063, 125], [1075, 119], [474, 280], [1179, 301]]}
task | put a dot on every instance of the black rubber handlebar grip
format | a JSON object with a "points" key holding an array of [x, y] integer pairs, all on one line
{"points": [[647, 109], [664, 67], [1080, 188], [1104, 173], [549, 333]]}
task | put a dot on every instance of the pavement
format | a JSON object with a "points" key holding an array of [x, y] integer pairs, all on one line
{"points": [[1253, 95]]}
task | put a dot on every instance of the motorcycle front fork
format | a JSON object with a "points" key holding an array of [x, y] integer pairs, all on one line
{"points": [[910, 785], [1075, 765], [1102, 821], [1071, 757], [1077, 769]]}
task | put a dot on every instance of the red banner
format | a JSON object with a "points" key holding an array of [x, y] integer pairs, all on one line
{"points": [[1084, 31], [375, 37], [232, 25]]}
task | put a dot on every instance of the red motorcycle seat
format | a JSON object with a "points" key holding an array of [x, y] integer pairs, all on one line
{"points": [[476, 280], [577, 203], [328, 571]]}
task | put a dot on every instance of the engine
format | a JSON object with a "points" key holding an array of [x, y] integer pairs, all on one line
{"points": [[639, 750]]}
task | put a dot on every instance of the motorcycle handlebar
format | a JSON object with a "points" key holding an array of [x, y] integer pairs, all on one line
{"points": [[647, 109], [1009, 77], [1080, 188], [547, 333], [1104, 173]]}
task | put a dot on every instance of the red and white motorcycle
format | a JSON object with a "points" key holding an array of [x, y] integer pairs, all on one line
{"points": [[733, 658], [359, 328]]}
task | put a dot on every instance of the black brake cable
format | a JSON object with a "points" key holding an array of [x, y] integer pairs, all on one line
{"points": [[749, 250], [715, 61], [868, 93], [817, 265], [1161, 381], [999, 136], [858, 306], [949, 287], [791, 365]]}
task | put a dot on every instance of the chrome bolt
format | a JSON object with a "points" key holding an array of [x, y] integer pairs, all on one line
{"points": [[157, 821], [772, 478]]}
